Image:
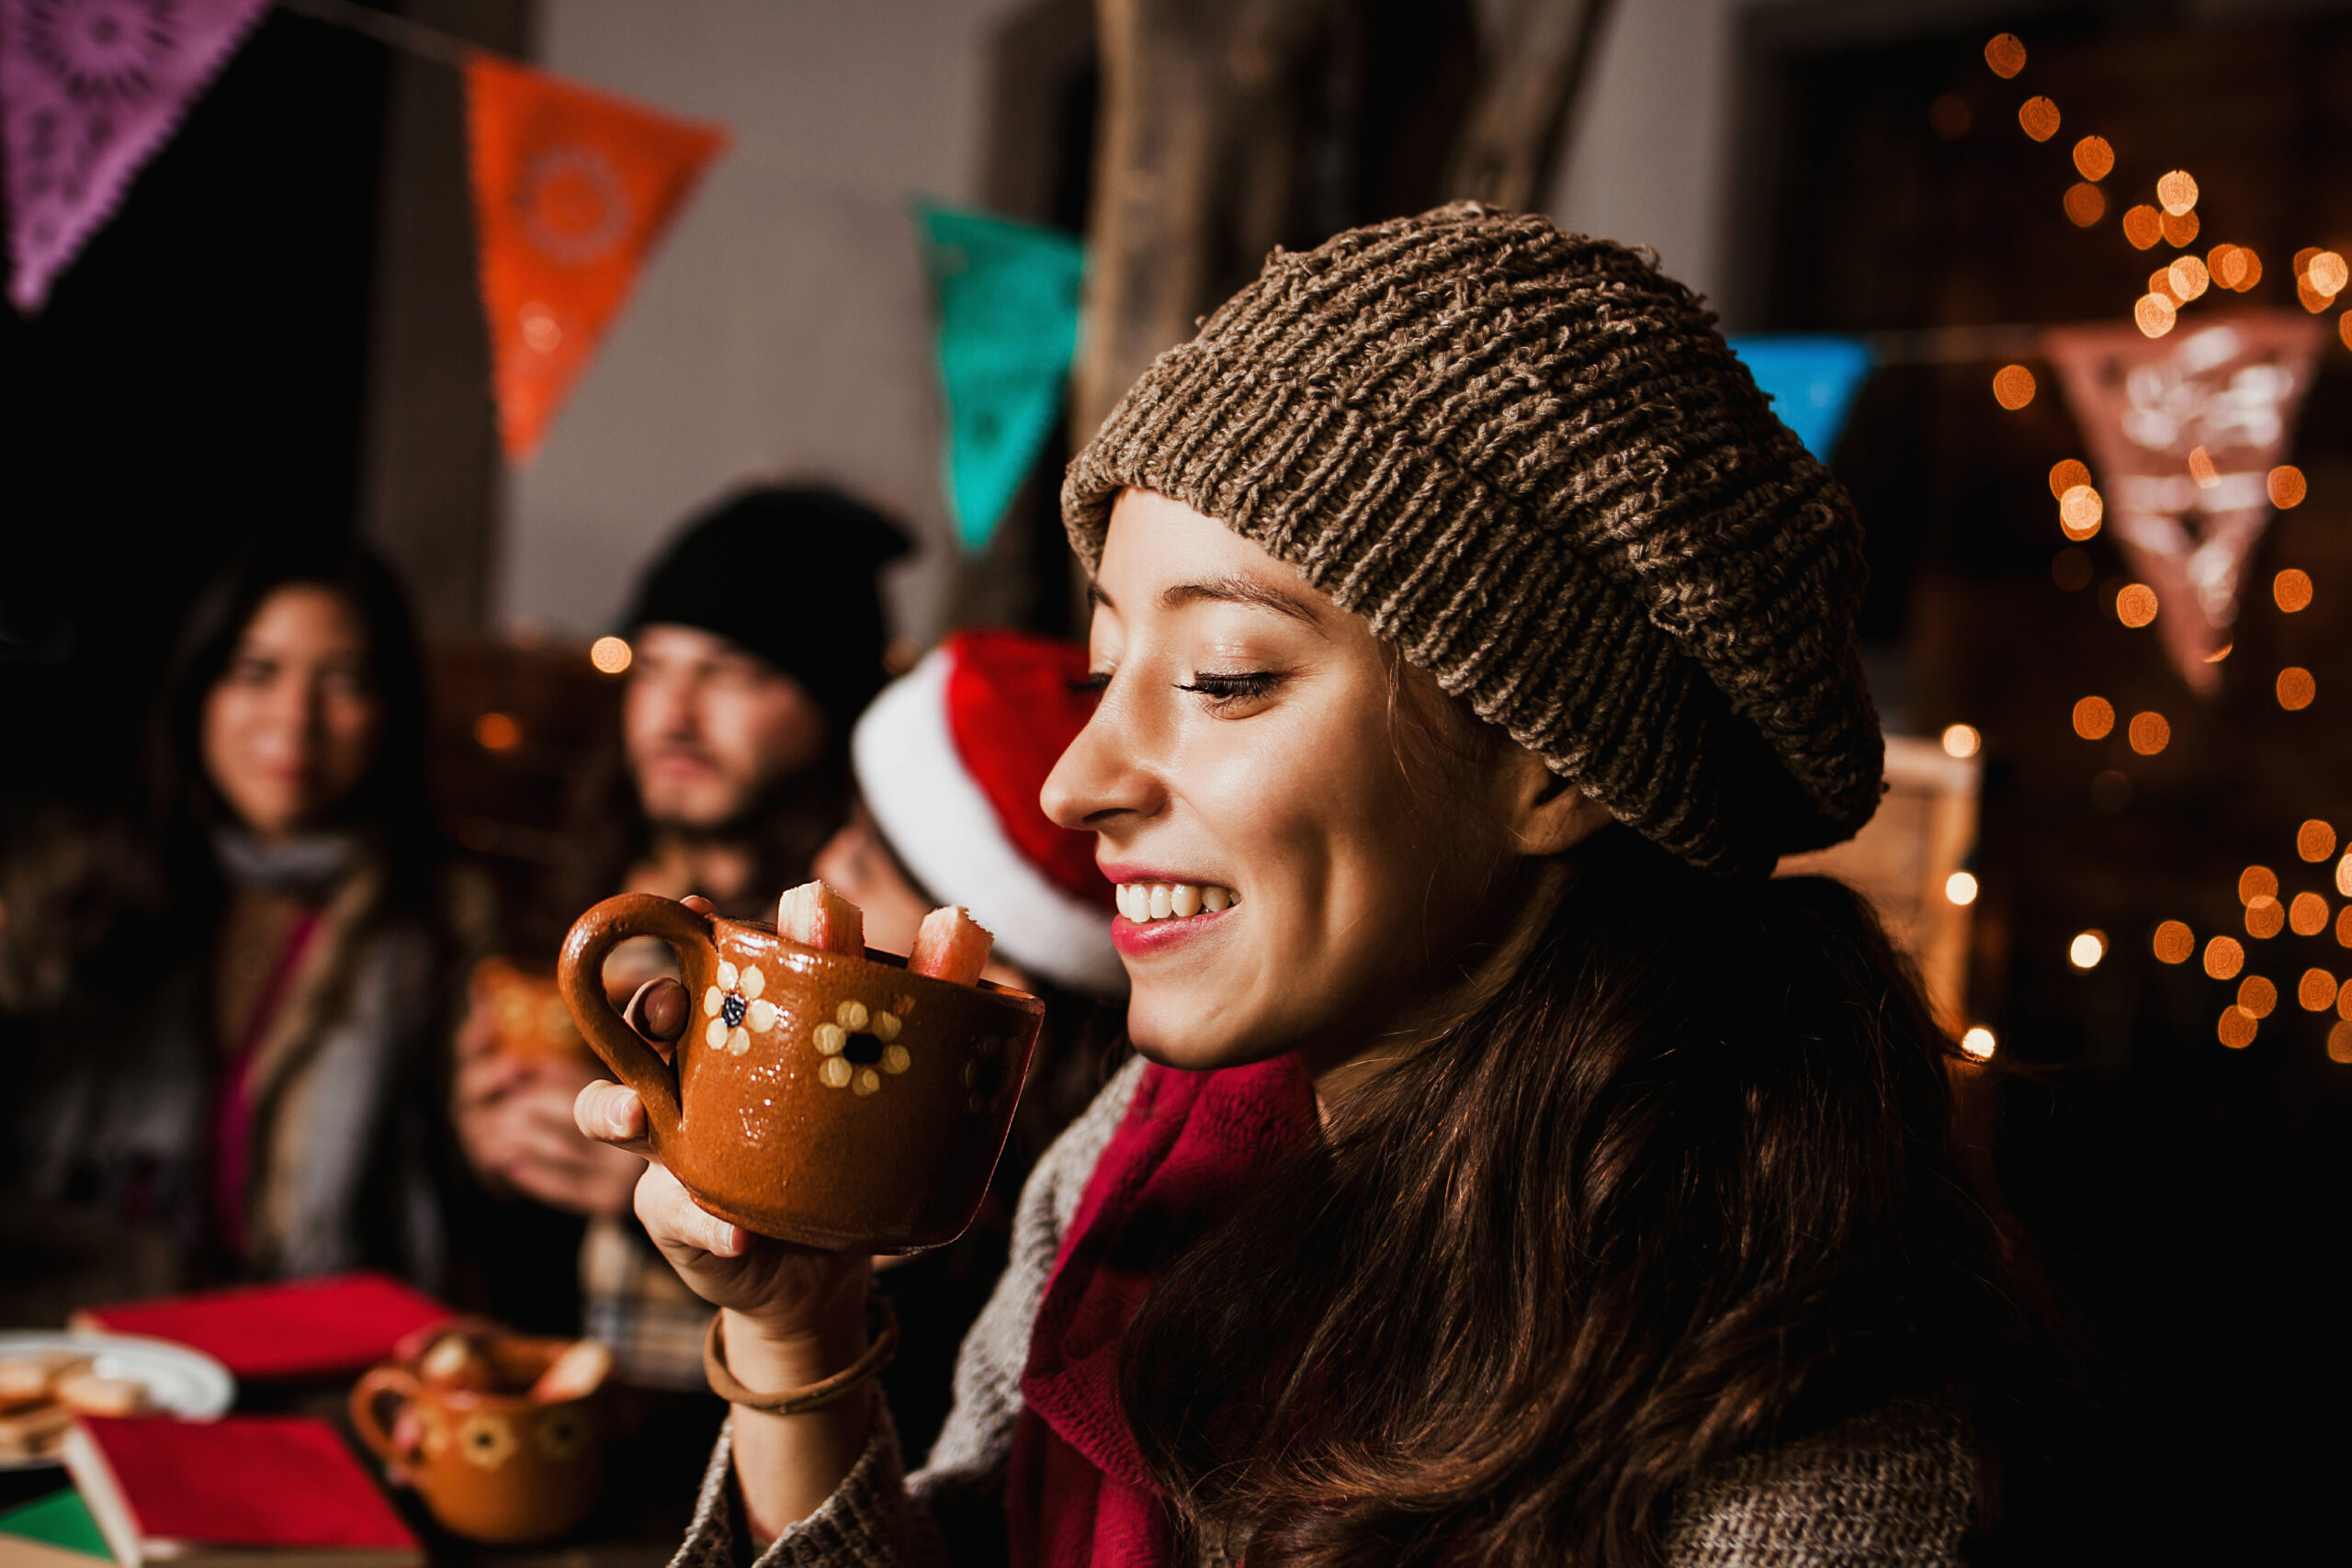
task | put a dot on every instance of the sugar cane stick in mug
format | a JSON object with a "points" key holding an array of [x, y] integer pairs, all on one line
{"points": [[815, 915], [951, 946]]}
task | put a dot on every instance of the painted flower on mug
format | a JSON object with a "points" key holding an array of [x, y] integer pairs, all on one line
{"points": [[859, 1044], [736, 1008], [486, 1438], [560, 1432]]}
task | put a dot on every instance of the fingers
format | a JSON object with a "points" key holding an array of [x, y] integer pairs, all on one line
{"points": [[677, 1222], [611, 1113], [698, 904], [659, 1010]]}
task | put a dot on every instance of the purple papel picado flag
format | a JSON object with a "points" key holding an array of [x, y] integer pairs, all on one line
{"points": [[89, 90]]}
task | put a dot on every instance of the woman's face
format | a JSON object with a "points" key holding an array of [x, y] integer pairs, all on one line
{"points": [[291, 726], [1288, 881], [856, 862]]}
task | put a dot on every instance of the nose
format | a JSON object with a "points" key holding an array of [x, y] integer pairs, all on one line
{"points": [[1102, 779]]}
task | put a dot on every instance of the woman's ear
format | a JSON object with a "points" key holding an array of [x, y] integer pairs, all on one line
{"points": [[1544, 812]]}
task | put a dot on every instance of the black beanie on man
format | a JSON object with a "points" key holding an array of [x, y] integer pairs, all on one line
{"points": [[788, 573]]}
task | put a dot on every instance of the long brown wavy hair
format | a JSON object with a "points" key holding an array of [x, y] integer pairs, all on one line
{"points": [[1681, 1183]]}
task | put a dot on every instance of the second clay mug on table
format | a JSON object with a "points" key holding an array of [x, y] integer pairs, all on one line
{"points": [[833, 1100], [497, 1464]]}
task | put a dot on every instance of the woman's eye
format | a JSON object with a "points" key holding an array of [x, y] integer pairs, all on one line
{"points": [[248, 672], [1227, 689], [1090, 684]]}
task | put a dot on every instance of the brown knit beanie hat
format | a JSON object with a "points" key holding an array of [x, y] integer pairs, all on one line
{"points": [[1529, 460]]}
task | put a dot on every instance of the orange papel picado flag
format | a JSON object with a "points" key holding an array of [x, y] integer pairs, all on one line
{"points": [[573, 188]]}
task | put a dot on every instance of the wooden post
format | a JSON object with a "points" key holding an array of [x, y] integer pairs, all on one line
{"points": [[1511, 141]]}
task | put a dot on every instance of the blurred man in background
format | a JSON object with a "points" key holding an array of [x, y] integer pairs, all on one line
{"points": [[756, 639]]}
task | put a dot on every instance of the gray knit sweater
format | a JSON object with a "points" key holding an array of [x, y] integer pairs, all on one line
{"points": [[1892, 1489]]}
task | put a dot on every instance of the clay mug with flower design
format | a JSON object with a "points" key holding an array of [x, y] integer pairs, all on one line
{"points": [[493, 1460], [827, 1099]]}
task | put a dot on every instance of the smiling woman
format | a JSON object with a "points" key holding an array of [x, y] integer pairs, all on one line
{"points": [[1517, 1173]]}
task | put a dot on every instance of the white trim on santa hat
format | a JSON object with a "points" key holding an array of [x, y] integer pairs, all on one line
{"points": [[942, 825]]}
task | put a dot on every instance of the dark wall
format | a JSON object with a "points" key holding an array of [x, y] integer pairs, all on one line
{"points": [[2189, 1198], [197, 376]]}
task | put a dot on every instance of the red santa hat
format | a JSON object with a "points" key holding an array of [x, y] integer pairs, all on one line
{"points": [[950, 759]]}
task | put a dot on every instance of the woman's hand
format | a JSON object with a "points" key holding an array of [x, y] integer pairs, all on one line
{"points": [[784, 1292], [792, 1315]]}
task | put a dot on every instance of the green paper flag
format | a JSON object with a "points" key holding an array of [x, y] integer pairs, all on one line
{"points": [[1008, 297]]}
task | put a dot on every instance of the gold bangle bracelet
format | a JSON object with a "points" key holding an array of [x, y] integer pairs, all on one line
{"points": [[882, 1336]]}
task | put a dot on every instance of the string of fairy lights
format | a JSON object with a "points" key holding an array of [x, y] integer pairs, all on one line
{"points": [[2270, 909]]}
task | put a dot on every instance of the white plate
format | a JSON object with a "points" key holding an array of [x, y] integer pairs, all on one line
{"points": [[179, 1380]]}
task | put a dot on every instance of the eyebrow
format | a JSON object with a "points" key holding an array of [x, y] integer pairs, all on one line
{"points": [[1229, 589]]}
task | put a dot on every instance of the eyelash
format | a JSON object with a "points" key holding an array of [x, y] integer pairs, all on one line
{"points": [[1244, 686], [1221, 690]]}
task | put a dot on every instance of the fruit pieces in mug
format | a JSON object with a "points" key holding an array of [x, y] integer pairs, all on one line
{"points": [[456, 1361], [578, 1373], [951, 946], [469, 1361], [815, 915]]}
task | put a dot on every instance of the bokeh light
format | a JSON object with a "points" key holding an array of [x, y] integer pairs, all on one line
{"points": [[2176, 193], [2257, 996], [2224, 957], [2315, 839], [2086, 949], [1979, 1043], [2344, 879], [2291, 588], [2265, 918], [2316, 990], [2013, 387], [2155, 315], [2135, 604], [2094, 158], [2201, 468], [2005, 55], [2038, 118], [2085, 204], [2189, 278], [2174, 942], [1960, 887], [2144, 226], [2287, 486], [2339, 1042], [1949, 117], [497, 732], [2253, 268], [2070, 570], [2180, 228], [2226, 264], [2080, 510], [2307, 915], [2150, 733], [2237, 1028], [2257, 881], [2065, 474], [2328, 272], [1961, 740], [2094, 717], [610, 655], [2296, 688]]}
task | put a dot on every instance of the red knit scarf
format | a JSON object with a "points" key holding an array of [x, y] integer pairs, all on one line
{"points": [[1192, 1145]]}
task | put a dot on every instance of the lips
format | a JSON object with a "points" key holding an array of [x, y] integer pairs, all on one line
{"points": [[1158, 911]]}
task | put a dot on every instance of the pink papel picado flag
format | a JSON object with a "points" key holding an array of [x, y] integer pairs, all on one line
{"points": [[89, 90]]}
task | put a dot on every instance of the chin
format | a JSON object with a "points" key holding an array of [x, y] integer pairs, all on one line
{"points": [[1191, 1038]]}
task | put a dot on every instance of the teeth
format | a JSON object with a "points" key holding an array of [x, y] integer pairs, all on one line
{"points": [[1143, 902]]}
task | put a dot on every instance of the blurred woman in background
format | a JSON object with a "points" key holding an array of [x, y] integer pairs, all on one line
{"points": [[260, 1099]]}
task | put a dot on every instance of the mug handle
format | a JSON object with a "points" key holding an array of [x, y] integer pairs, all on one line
{"points": [[580, 975], [369, 1422]]}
